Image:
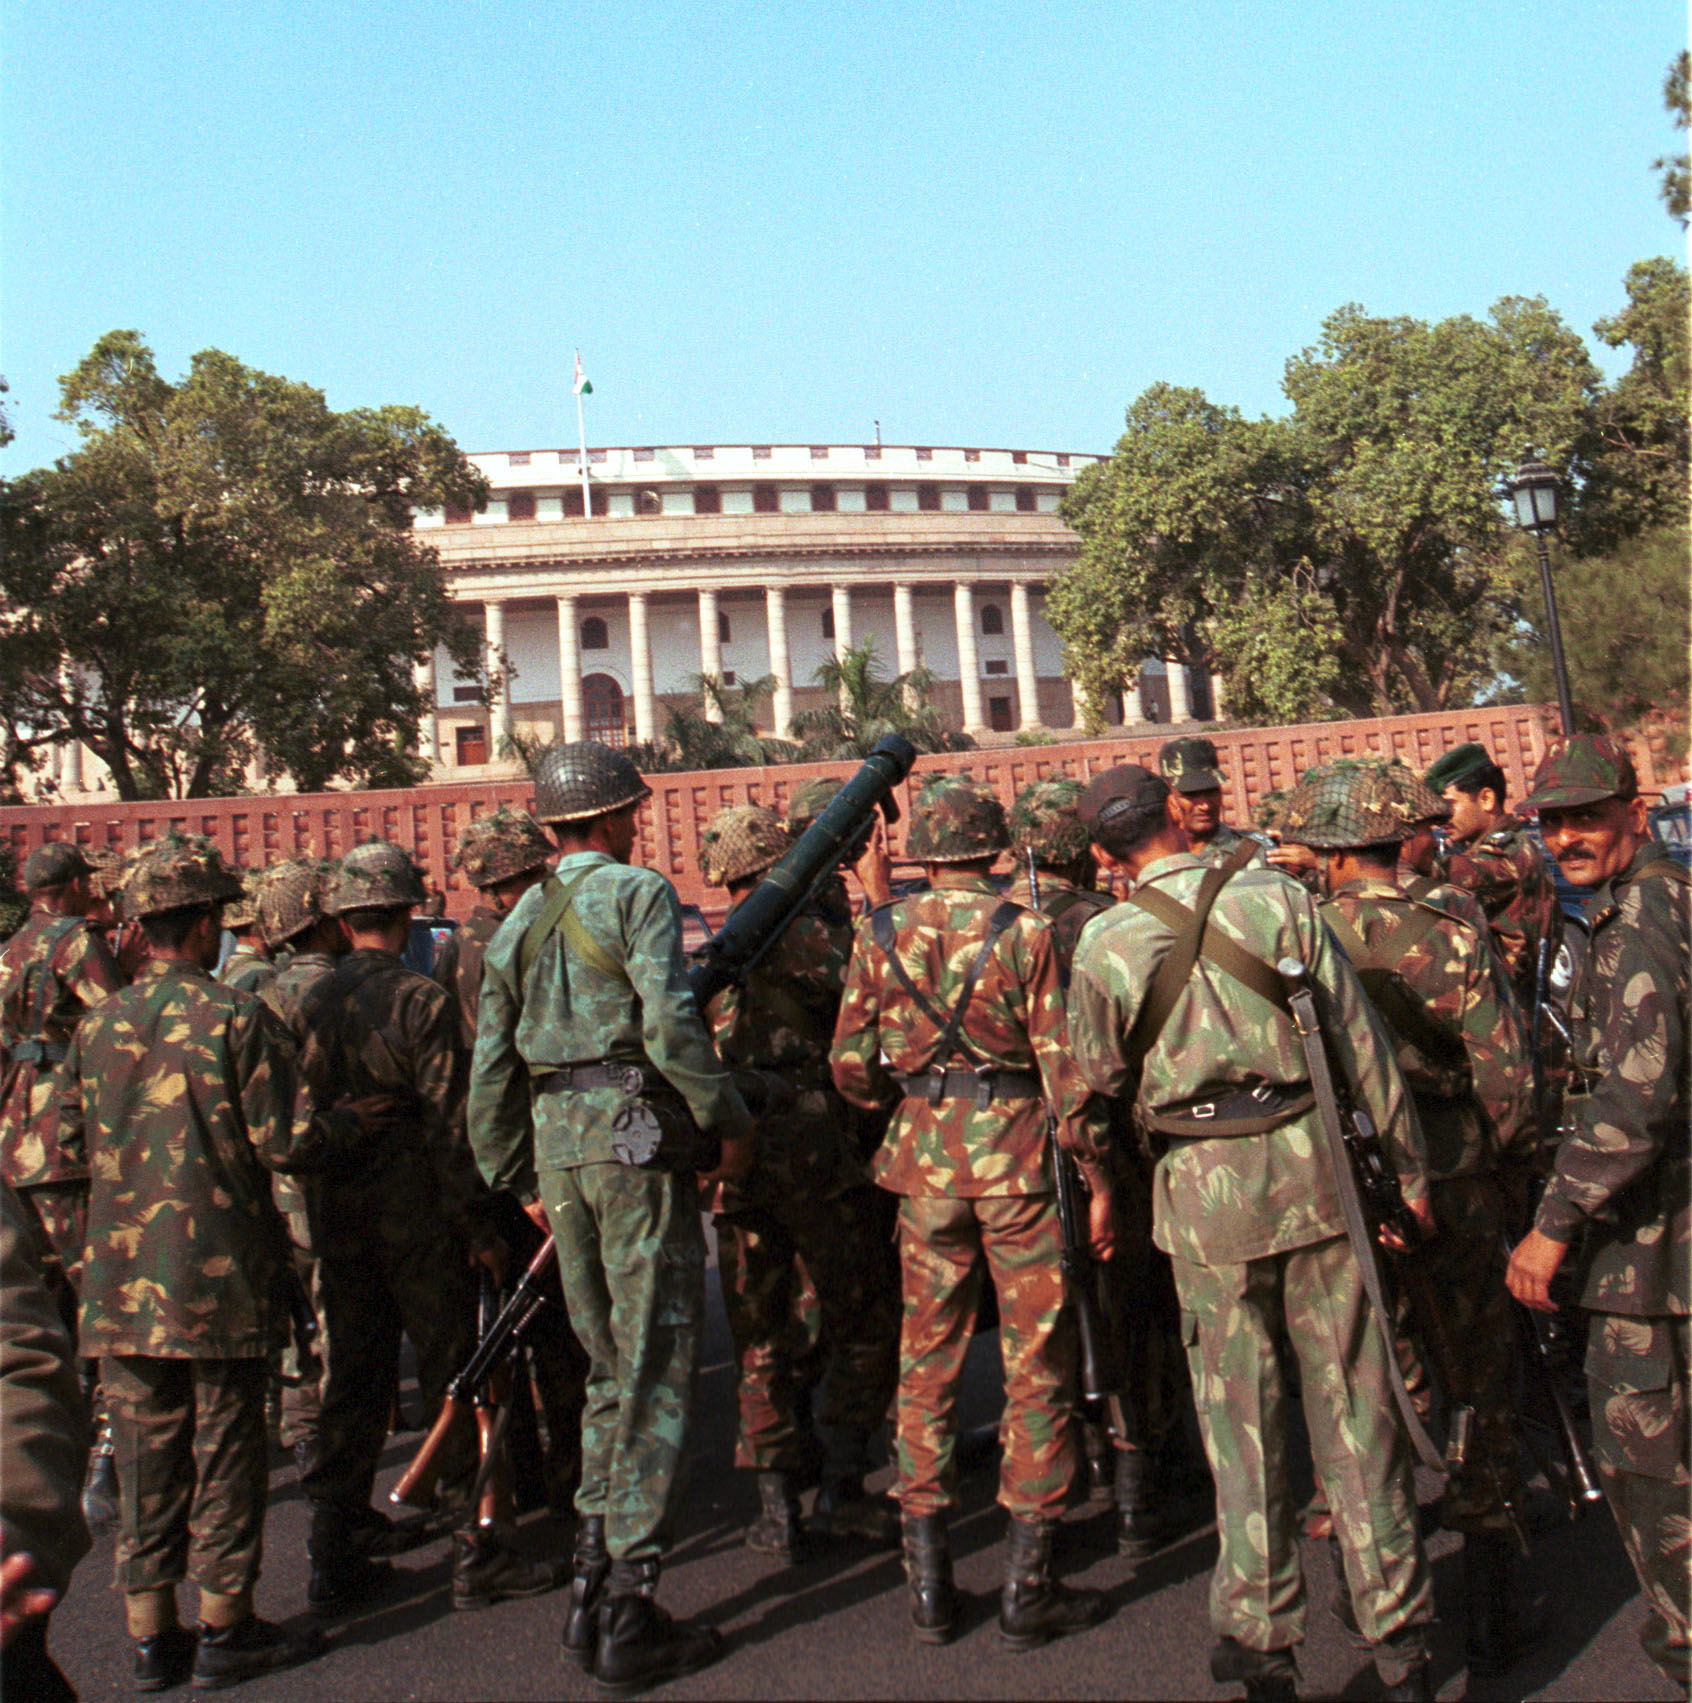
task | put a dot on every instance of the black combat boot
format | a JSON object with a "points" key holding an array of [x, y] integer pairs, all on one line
{"points": [[100, 1487], [778, 1529], [844, 1508], [1269, 1676], [230, 1654], [163, 1660], [590, 1567], [639, 1644], [1492, 1638], [928, 1567], [1033, 1607], [1142, 1526], [342, 1576], [373, 1533], [486, 1569]]}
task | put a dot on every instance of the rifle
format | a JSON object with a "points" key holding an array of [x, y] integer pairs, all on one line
{"points": [[471, 1402]]}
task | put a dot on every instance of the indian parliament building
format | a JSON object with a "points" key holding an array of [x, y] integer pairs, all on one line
{"points": [[747, 560]]}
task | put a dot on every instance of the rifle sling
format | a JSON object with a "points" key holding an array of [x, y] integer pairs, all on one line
{"points": [[951, 1027], [1386, 988], [556, 914]]}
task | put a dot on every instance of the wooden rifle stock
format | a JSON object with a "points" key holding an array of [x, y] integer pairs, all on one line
{"points": [[418, 1482]]}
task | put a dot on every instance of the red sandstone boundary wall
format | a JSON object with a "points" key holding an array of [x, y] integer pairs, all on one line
{"points": [[427, 820]]}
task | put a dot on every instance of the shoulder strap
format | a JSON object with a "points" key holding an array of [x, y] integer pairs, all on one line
{"points": [[47, 979], [1668, 870], [950, 1026], [1386, 988], [555, 913]]}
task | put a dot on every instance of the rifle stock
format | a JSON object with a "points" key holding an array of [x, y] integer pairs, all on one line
{"points": [[417, 1484]]}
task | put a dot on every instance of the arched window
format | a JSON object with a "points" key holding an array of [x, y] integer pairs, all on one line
{"points": [[992, 620], [602, 707], [828, 623], [594, 634]]}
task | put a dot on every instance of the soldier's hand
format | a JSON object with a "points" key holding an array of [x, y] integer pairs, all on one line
{"points": [[19, 1604], [132, 949], [738, 1153], [874, 868], [536, 1213], [375, 1114], [1533, 1265], [494, 1259], [1423, 1214], [1101, 1225]]}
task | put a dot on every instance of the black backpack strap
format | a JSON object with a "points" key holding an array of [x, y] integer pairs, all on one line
{"points": [[950, 1025]]}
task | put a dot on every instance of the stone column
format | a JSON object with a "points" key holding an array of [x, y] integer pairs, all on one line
{"points": [[640, 666], [1022, 644], [904, 627], [499, 716], [775, 620], [70, 780], [1133, 702], [1217, 700], [429, 723], [842, 629], [710, 649], [569, 668], [1080, 704], [1180, 699], [969, 664]]}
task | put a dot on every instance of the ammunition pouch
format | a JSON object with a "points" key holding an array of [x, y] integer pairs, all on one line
{"points": [[1248, 1111]]}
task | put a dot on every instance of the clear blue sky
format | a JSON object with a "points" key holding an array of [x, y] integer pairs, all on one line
{"points": [[980, 223]]}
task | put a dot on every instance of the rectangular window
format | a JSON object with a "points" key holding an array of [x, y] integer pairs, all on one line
{"points": [[925, 455], [872, 452], [819, 452], [997, 666], [456, 515], [875, 499], [978, 499], [648, 502], [471, 694], [728, 677], [999, 714], [1063, 461], [706, 453], [928, 498], [760, 452], [707, 499], [518, 458], [645, 454], [472, 745], [725, 633], [1025, 499], [519, 505], [765, 500], [972, 455], [822, 499], [1019, 458]]}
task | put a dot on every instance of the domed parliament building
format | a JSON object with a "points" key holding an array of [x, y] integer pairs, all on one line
{"points": [[748, 560]]}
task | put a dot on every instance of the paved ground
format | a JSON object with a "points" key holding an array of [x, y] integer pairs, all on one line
{"points": [[835, 1627]]}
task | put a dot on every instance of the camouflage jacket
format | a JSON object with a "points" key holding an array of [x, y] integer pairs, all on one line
{"points": [[1472, 1081], [1223, 842], [782, 1020], [51, 971], [1624, 1166], [1065, 906], [1511, 877], [178, 1093], [1237, 1198], [246, 969], [286, 993], [375, 1027], [1015, 1018], [458, 969], [568, 1012]]}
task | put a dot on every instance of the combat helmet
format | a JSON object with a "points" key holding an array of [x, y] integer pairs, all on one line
{"points": [[376, 876], [55, 864], [585, 779], [500, 847], [1352, 804], [178, 873], [810, 801], [956, 820], [243, 913], [290, 898], [1046, 820], [110, 867], [743, 840]]}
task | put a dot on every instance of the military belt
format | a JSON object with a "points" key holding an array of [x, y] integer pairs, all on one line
{"points": [[38, 1052], [1251, 1111], [633, 1076], [981, 1086]]}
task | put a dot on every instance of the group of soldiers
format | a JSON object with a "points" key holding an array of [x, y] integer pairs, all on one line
{"points": [[260, 1182]]}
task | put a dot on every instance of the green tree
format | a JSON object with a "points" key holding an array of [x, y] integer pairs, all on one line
{"points": [[864, 705], [694, 740], [226, 566], [1675, 187]]}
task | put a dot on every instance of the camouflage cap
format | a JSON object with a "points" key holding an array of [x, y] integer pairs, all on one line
{"points": [[810, 801], [1190, 765], [1586, 769], [583, 779], [743, 840], [376, 876], [1046, 820], [177, 872], [1351, 804], [1457, 765], [499, 847], [290, 898], [1117, 791], [243, 913], [954, 820], [52, 865]]}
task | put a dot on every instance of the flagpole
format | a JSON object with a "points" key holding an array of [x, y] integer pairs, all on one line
{"points": [[581, 436]]}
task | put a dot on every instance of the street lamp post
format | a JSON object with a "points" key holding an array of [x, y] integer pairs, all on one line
{"points": [[1534, 490]]}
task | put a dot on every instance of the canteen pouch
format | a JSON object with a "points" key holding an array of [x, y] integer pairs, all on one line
{"points": [[656, 1132]]}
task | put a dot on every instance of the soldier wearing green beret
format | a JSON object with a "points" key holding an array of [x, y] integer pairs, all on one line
{"points": [[1623, 1177]]}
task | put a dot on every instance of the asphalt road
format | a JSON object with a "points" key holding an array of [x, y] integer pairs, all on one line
{"points": [[835, 1626]]}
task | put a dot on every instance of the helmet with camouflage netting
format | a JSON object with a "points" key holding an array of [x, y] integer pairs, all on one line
{"points": [[55, 864], [1353, 804], [1267, 812], [743, 840], [243, 914], [956, 820], [290, 898], [178, 873], [1046, 820], [500, 847], [110, 869], [376, 876], [584, 779], [810, 801]]}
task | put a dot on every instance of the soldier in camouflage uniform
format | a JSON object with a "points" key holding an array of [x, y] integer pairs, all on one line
{"points": [[954, 1010], [1429, 968], [1252, 1221], [502, 856], [1194, 773], [248, 966], [398, 1240], [583, 992], [806, 1199], [868, 858], [180, 1095], [1492, 855], [1623, 1178]]}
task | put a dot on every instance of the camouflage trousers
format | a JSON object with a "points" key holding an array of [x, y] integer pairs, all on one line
{"points": [[1637, 1376], [1233, 1318], [759, 1250], [943, 1245], [61, 1210], [193, 1470], [410, 1279], [631, 1252], [302, 1384]]}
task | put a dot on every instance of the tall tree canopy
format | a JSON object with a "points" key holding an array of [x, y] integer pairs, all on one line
{"points": [[224, 567]]}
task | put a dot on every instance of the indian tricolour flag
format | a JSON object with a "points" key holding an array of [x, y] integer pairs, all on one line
{"points": [[583, 385]]}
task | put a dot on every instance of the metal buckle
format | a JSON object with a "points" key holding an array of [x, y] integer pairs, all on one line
{"points": [[632, 1080], [1201, 1112], [985, 1082], [1263, 1093], [934, 1089]]}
